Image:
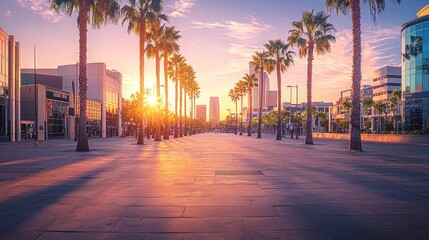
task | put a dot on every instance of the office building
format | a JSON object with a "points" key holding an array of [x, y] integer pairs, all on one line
{"points": [[271, 99], [10, 78], [201, 112], [415, 72], [385, 79], [214, 114]]}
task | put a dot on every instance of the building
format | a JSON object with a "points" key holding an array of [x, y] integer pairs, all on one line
{"points": [[214, 114], [271, 99], [415, 72], [10, 78], [53, 113], [201, 112], [256, 90], [55, 107], [385, 79]]}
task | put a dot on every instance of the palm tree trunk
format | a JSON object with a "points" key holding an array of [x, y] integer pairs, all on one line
{"points": [[249, 128], [236, 117], [355, 139], [190, 114], [158, 94], [142, 39], [261, 95], [176, 119], [184, 107], [241, 114], [180, 107], [82, 142], [166, 119], [195, 115], [279, 97], [309, 132]]}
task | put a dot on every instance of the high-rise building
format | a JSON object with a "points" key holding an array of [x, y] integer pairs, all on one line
{"points": [[201, 112], [256, 90], [271, 99], [415, 72], [214, 116], [10, 97]]}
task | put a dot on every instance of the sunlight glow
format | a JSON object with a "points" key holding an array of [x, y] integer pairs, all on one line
{"points": [[151, 100]]}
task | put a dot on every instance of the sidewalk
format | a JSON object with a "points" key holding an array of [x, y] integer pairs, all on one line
{"points": [[214, 186]]}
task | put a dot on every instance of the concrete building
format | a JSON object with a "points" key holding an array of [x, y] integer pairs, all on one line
{"points": [[201, 112], [10, 78], [55, 107], [214, 114], [415, 72], [271, 98], [385, 79]]}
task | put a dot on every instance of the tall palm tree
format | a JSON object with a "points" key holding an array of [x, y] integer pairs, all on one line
{"points": [[174, 72], [280, 54], [183, 67], [197, 92], [233, 94], [241, 87], [168, 46], [191, 91], [95, 12], [344, 6], [140, 13], [311, 31], [251, 81], [261, 61], [189, 77]]}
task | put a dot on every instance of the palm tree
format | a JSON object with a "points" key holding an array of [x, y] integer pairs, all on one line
{"points": [[95, 12], [192, 87], [282, 57], [251, 81], [189, 78], [261, 61], [174, 72], [344, 6], [241, 87], [139, 14], [168, 46], [153, 50], [312, 31], [233, 94], [196, 94]]}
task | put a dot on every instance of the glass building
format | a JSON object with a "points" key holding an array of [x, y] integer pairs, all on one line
{"points": [[10, 112], [415, 72]]}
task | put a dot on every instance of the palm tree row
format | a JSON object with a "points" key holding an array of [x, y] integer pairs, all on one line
{"points": [[145, 19], [314, 32]]}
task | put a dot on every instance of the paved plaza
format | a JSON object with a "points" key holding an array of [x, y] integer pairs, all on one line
{"points": [[213, 186]]}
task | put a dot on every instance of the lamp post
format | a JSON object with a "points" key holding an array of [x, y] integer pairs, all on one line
{"points": [[296, 106]]}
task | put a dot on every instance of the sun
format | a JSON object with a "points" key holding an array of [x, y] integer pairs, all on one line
{"points": [[151, 100]]}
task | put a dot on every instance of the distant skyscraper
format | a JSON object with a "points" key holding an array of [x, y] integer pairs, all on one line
{"points": [[202, 112], [214, 110], [255, 90], [271, 97]]}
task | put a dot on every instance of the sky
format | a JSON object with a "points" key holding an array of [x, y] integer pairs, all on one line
{"points": [[218, 40]]}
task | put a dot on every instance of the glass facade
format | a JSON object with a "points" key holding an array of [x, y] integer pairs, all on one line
{"points": [[415, 74], [112, 114], [57, 118], [4, 108], [93, 114]]}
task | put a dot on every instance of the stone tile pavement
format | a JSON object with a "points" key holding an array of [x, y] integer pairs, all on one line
{"points": [[213, 186]]}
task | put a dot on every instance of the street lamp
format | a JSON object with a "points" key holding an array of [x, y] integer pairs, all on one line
{"points": [[296, 106]]}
